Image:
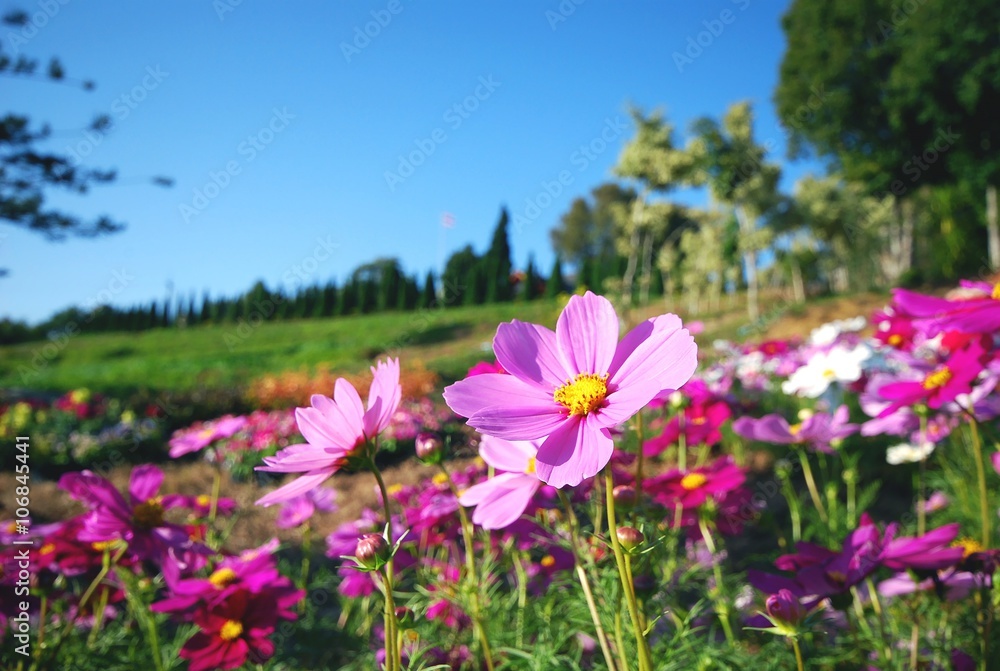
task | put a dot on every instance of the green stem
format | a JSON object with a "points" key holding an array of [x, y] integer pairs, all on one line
{"points": [[682, 449], [984, 511], [639, 464], [645, 661], [471, 574], [721, 605], [921, 513], [581, 574], [592, 606], [798, 655], [811, 485], [793, 508], [214, 505], [392, 658]]}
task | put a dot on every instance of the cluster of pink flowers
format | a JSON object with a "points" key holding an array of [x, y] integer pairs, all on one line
{"points": [[236, 606]]}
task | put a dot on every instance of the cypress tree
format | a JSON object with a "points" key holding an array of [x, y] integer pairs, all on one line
{"points": [[498, 265], [428, 296], [555, 284]]}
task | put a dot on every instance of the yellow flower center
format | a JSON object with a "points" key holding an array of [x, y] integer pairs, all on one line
{"points": [[222, 577], [532, 464], [205, 434], [48, 548], [12, 527], [101, 546], [203, 500], [837, 577], [895, 339], [393, 489], [583, 395], [698, 421], [996, 292], [968, 545], [795, 428], [232, 629], [440, 479], [829, 374], [693, 481], [938, 378], [548, 561], [148, 514]]}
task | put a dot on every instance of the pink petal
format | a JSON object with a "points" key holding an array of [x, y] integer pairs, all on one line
{"points": [[387, 390], [661, 350], [476, 494], [587, 333], [519, 423], [625, 402], [473, 394], [349, 404], [301, 458], [145, 482], [507, 455], [577, 450], [506, 501], [530, 352], [320, 428], [296, 487]]}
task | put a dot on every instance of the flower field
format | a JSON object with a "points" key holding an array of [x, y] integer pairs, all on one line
{"points": [[599, 496]]}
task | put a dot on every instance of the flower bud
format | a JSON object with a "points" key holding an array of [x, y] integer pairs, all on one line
{"points": [[429, 448], [630, 538], [372, 552], [625, 496], [784, 608], [404, 616]]}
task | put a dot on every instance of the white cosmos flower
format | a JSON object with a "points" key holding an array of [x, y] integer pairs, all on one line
{"points": [[828, 333], [906, 453], [840, 364]]}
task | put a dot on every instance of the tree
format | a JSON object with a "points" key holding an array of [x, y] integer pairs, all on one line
{"points": [[734, 167], [454, 281], [497, 265], [657, 165], [29, 174], [555, 285], [428, 295], [585, 235], [880, 95]]}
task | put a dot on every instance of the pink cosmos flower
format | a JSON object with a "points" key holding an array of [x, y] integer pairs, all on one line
{"points": [[232, 632], [690, 489], [299, 509], [974, 308], [702, 424], [138, 520], [822, 572], [818, 431], [198, 437], [336, 429], [942, 385], [573, 385], [502, 499]]}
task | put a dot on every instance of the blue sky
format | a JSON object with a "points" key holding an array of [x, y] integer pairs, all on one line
{"points": [[300, 131]]}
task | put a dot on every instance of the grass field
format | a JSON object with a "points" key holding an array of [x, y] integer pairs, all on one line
{"points": [[446, 341]]}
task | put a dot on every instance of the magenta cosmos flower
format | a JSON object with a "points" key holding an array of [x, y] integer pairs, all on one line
{"points": [[336, 429], [817, 431], [198, 437], [138, 520], [973, 308], [572, 385], [503, 498], [690, 489], [942, 385]]}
